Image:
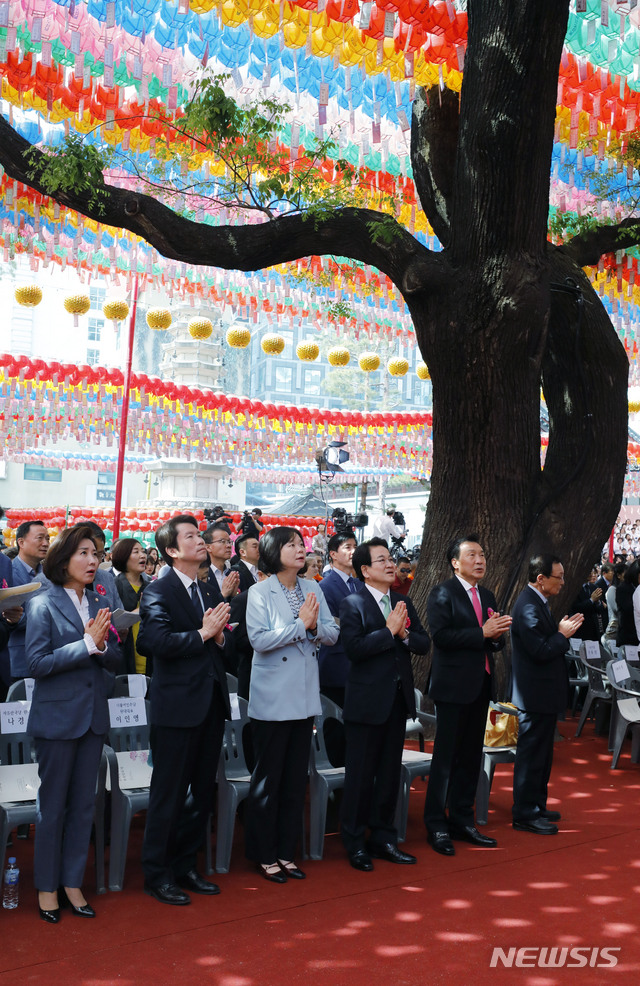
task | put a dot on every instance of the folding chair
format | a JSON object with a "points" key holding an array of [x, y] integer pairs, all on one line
{"points": [[323, 779], [234, 778]]}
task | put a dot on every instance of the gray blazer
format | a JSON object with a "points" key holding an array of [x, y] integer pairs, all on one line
{"points": [[70, 693], [284, 674]]}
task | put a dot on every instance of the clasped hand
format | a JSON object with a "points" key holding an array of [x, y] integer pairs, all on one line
{"points": [[397, 620], [98, 628], [496, 625], [214, 622], [309, 611], [569, 624]]}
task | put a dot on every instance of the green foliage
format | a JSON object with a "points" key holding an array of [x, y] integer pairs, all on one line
{"points": [[75, 167], [564, 225], [384, 230]]}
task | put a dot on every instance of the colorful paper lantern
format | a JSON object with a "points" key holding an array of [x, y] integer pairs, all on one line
{"points": [[398, 366], [272, 344], [158, 318], [200, 327], [307, 351], [77, 304], [115, 310], [368, 362], [238, 337], [422, 372], [28, 295], [338, 356], [634, 407]]}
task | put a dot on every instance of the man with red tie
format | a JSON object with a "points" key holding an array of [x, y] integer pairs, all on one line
{"points": [[466, 631]]}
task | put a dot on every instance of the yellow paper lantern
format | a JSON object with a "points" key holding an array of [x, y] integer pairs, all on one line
{"points": [[200, 328], [398, 366], [338, 356], [238, 337], [272, 344], [77, 304], [368, 362], [28, 295], [422, 372], [116, 310], [634, 407], [307, 351], [158, 318]]}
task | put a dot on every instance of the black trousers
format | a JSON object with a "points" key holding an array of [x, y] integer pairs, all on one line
{"points": [[532, 769], [275, 803], [372, 778], [456, 762], [185, 761]]}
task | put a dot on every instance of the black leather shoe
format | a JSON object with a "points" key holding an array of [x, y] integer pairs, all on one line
{"points": [[51, 917], [538, 825], [290, 869], [196, 884], [391, 853], [469, 833], [551, 816], [82, 910], [168, 893], [361, 860], [272, 872], [440, 842]]}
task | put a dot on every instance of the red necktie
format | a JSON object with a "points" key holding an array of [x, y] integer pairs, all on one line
{"points": [[475, 599]]}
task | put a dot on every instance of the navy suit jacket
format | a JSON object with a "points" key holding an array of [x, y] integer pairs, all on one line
{"points": [[334, 663], [538, 666], [185, 668], [378, 660], [71, 687], [459, 646]]}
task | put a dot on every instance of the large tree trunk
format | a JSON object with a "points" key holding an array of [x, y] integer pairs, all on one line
{"points": [[505, 322]]}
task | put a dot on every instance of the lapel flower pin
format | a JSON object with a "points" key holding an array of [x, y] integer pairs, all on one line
{"points": [[101, 589], [4, 584]]}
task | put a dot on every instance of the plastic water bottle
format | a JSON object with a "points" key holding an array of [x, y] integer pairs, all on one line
{"points": [[11, 889]]}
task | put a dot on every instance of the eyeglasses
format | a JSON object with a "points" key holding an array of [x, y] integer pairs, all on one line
{"points": [[560, 578], [381, 561], [405, 571], [221, 541]]}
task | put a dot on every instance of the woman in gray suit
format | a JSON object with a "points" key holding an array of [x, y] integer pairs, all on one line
{"points": [[287, 620], [68, 647]]}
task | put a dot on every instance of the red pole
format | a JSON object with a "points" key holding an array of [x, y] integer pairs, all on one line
{"points": [[611, 545], [124, 415]]}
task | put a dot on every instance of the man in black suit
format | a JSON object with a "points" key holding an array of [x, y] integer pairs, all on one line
{"points": [[336, 586], [379, 630], [466, 632], [224, 583], [248, 552], [540, 690], [182, 626]]}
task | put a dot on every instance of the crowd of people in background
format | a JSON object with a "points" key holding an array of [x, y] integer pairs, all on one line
{"points": [[291, 622]]}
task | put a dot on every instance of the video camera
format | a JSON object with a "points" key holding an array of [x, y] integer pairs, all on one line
{"points": [[344, 522]]}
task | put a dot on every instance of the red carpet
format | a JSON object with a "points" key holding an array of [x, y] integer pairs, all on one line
{"points": [[436, 922]]}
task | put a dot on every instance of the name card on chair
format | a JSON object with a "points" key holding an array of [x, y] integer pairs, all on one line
{"points": [[137, 685], [134, 769], [235, 705], [575, 643], [620, 671], [28, 688], [14, 716], [631, 652], [592, 650], [127, 712], [19, 782]]}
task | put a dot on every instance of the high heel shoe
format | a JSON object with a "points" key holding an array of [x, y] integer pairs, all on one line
{"points": [[51, 917], [272, 872], [82, 910]]}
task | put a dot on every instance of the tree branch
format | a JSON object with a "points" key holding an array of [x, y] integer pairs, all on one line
{"points": [[586, 248], [434, 141], [348, 232]]}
